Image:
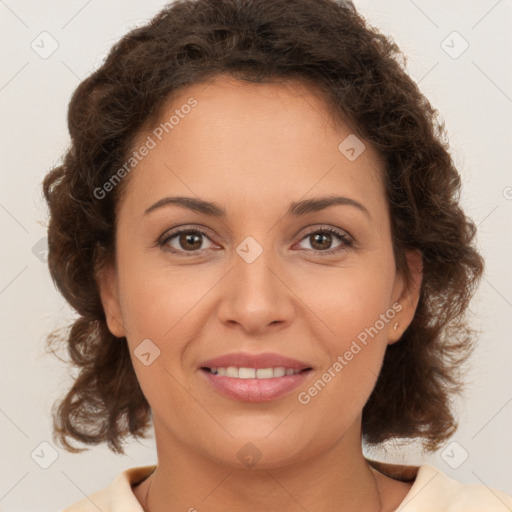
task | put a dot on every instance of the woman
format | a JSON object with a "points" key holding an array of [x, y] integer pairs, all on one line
{"points": [[258, 224]]}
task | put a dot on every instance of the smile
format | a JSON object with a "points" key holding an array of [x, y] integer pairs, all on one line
{"points": [[254, 384], [253, 373]]}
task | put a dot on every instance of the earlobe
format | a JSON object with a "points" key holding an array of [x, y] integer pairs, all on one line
{"points": [[107, 283], [407, 295]]}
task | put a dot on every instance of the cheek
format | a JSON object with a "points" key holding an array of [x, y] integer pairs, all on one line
{"points": [[159, 301], [163, 304], [355, 351], [349, 300], [354, 307], [154, 296], [158, 305]]}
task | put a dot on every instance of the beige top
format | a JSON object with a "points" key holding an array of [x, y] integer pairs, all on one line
{"points": [[432, 491]]}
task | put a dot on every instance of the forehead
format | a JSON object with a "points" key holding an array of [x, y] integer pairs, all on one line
{"points": [[260, 141]]}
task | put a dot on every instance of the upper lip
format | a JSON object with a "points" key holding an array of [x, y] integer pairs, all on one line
{"points": [[247, 360]]}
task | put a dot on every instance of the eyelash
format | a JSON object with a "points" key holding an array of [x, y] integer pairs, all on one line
{"points": [[346, 241]]}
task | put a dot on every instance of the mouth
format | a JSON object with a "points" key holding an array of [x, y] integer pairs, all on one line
{"points": [[254, 373], [255, 384]]}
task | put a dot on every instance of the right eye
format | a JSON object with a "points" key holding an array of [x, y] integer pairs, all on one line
{"points": [[187, 242]]}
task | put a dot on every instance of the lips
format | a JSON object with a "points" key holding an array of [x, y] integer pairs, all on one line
{"points": [[262, 360], [255, 389]]}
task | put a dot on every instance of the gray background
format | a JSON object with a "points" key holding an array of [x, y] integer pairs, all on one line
{"points": [[472, 90]]}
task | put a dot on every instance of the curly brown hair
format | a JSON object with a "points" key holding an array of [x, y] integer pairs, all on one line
{"points": [[361, 76]]}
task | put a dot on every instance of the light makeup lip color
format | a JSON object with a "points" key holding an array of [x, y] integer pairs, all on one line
{"points": [[255, 390], [247, 360]]}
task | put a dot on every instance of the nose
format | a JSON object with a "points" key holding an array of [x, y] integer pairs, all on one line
{"points": [[255, 295]]}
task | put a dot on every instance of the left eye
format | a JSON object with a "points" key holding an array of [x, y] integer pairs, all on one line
{"points": [[324, 237]]}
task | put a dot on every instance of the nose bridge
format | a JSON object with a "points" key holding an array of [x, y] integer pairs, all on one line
{"points": [[254, 261], [256, 296]]}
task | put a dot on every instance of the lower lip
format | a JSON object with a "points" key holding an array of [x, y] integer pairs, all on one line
{"points": [[255, 390]]}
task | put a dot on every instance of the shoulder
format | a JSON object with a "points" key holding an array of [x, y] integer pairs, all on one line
{"points": [[434, 490], [117, 497]]}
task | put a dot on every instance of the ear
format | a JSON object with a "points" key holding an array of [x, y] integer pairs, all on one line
{"points": [[107, 281], [406, 296]]}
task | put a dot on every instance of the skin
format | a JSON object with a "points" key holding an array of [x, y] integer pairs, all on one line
{"points": [[253, 149]]}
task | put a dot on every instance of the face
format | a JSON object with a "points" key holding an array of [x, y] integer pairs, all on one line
{"points": [[262, 272]]}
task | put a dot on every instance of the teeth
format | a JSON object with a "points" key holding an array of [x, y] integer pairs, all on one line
{"points": [[254, 373], [231, 371]]}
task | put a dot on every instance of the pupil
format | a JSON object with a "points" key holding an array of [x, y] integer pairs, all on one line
{"points": [[189, 238], [322, 235]]}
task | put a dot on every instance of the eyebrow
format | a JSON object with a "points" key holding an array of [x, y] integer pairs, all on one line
{"points": [[295, 209]]}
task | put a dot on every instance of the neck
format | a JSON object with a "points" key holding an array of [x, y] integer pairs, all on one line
{"points": [[339, 478]]}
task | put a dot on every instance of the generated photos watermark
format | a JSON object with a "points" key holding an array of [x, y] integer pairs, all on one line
{"points": [[150, 143], [304, 397]]}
